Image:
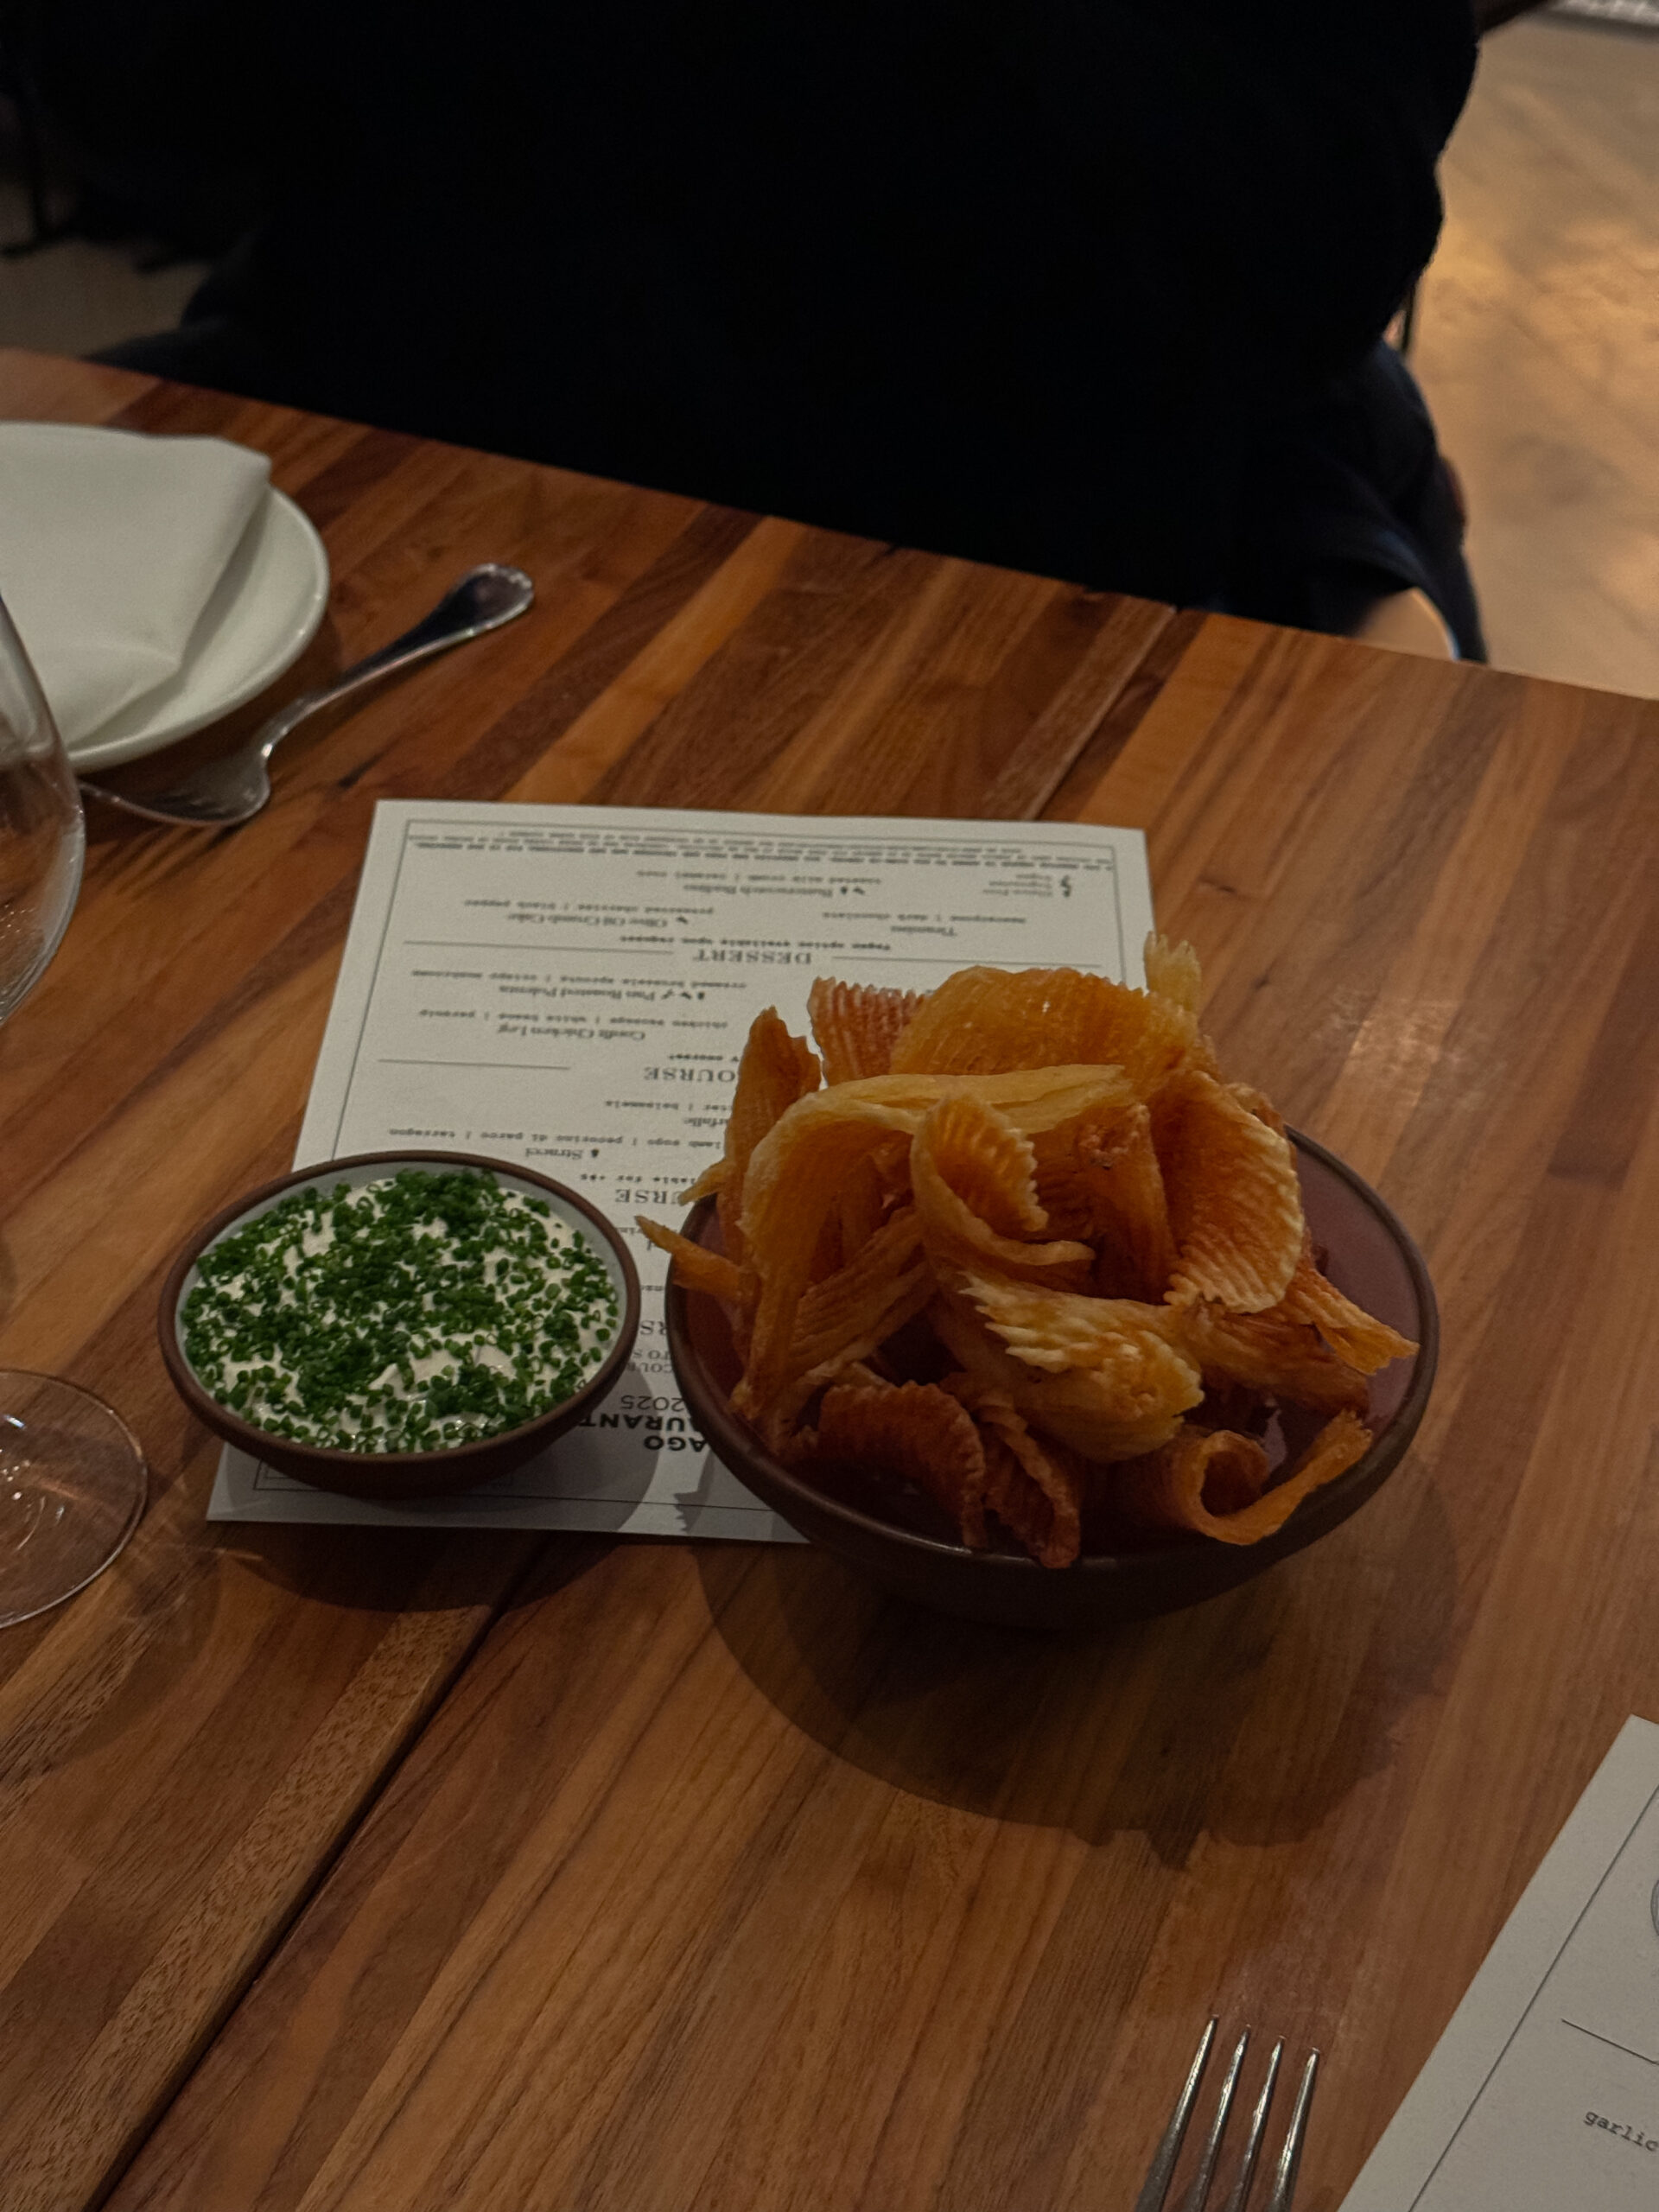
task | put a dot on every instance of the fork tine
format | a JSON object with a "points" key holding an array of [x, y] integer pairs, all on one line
{"points": [[1156, 2186], [1290, 2157], [1198, 2196], [1241, 2188]]}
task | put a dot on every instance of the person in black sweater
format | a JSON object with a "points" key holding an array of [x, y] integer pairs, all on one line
{"points": [[1094, 288]]}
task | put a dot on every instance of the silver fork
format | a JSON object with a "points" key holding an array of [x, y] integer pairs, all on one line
{"points": [[1155, 2191], [234, 787]]}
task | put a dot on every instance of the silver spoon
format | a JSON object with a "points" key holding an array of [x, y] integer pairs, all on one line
{"points": [[233, 788]]}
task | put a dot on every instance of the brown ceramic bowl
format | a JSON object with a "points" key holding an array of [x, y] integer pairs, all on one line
{"points": [[908, 1545], [384, 1475]]}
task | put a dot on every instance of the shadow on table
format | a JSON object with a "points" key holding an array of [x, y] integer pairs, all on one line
{"points": [[1250, 1717], [318, 664]]}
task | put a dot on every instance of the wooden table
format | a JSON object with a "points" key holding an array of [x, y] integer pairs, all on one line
{"points": [[346, 1869]]}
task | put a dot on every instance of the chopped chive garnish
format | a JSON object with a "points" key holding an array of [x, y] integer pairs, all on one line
{"points": [[428, 1309]]}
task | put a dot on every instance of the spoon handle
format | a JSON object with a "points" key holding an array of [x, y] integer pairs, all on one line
{"points": [[484, 598]]}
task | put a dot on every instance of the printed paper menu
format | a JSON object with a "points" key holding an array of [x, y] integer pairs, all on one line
{"points": [[1542, 2096], [568, 988]]}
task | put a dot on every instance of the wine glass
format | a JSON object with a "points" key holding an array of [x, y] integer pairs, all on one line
{"points": [[72, 1475]]}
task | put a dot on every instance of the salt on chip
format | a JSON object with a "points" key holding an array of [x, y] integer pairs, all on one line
{"points": [[1174, 1488], [916, 1433], [775, 1070], [1234, 1202], [712, 1181], [856, 1026], [984, 1021]]}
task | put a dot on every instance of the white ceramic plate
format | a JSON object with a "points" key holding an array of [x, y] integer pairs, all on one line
{"points": [[263, 613]]}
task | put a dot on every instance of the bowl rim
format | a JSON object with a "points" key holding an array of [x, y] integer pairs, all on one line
{"points": [[260, 1443], [1406, 1417]]}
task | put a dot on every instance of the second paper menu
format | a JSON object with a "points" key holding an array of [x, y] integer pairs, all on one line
{"points": [[571, 987]]}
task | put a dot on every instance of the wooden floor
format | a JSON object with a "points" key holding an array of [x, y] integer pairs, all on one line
{"points": [[1538, 347]]}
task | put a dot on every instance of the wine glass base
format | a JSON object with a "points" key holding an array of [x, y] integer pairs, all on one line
{"points": [[73, 1485]]}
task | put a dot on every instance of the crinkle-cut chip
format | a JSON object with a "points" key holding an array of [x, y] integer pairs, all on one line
{"points": [[1356, 1337], [695, 1266], [1085, 1413], [1202, 1058], [1274, 1352], [1058, 1331], [869, 1193], [1034, 1488], [986, 1161], [795, 1171], [916, 1433], [983, 1020], [1189, 1482], [1033, 1099], [962, 1143], [849, 1314], [1090, 1410], [713, 1179], [1235, 1204], [1198, 1478], [1107, 1184], [788, 1194], [1258, 1102], [776, 1070], [857, 1026], [1173, 971]]}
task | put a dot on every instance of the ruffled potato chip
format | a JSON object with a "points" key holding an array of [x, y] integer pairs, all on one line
{"points": [[986, 1161], [856, 1026], [1200, 1478], [843, 1319], [1106, 1185], [1114, 1411], [916, 1433], [971, 1171], [792, 1185], [1234, 1202], [1172, 972], [983, 1021], [695, 1266], [1355, 1336], [776, 1070], [1034, 1488], [870, 1193], [1271, 1352], [1258, 1102], [1047, 1174], [1190, 1482], [1058, 1331]]}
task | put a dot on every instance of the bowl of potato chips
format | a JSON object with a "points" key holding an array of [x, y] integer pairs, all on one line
{"points": [[1006, 1294]]}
